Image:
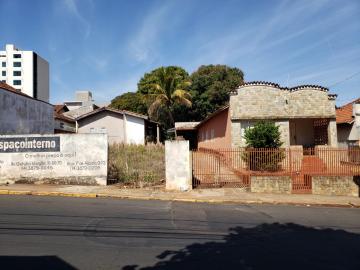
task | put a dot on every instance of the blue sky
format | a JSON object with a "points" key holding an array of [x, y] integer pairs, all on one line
{"points": [[106, 46]]}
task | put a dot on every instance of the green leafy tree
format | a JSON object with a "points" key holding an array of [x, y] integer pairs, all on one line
{"points": [[147, 82], [169, 89], [210, 88], [263, 147], [131, 101]]}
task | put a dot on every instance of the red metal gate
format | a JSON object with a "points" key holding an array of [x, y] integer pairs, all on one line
{"points": [[234, 167], [212, 169]]}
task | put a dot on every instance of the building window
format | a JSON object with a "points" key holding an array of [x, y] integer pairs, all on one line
{"points": [[17, 55], [3, 81], [207, 135], [17, 73], [3, 64], [3, 73], [17, 82], [62, 125], [212, 134], [17, 64], [92, 130]]}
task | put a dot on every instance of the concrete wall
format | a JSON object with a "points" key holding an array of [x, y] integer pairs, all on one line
{"points": [[178, 165], [268, 102], [216, 132], [24, 115], [335, 185], [271, 184], [135, 130], [43, 85], [71, 159], [104, 122]]}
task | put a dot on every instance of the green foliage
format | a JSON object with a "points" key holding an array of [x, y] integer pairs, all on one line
{"points": [[137, 165], [130, 101], [210, 88], [149, 80], [170, 89], [263, 135], [263, 151], [169, 94]]}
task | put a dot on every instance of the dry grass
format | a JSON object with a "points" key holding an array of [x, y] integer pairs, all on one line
{"points": [[137, 165]]}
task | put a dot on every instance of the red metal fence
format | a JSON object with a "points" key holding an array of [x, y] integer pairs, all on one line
{"points": [[233, 167]]}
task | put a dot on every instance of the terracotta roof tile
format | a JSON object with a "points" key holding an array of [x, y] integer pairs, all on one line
{"points": [[12, 89], [58, 107], [63, 117], [112, 110], [296, 88], [9, 88], [344, 114]]}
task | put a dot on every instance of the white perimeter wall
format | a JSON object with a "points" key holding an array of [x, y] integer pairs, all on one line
{"points": [[135, 130]]}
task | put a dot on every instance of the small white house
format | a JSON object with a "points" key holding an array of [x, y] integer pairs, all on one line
{"points": [[120, 125]]}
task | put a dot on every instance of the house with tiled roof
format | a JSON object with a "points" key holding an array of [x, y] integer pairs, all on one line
{"points": [[121, 126], [63, 123], [348, 124], [305, 115]]}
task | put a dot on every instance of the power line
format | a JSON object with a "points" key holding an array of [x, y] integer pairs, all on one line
{"points": [[346, 79]]}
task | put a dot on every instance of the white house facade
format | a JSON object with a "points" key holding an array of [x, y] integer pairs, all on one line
{"points": [[120, 126]]}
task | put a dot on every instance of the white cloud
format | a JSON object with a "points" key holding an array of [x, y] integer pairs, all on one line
{"points": [[72, 8], [142, 45]]}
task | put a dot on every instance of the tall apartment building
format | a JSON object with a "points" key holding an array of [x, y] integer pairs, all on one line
{"points": [[25, 71]]}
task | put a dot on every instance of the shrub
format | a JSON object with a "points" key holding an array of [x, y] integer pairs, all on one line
{"points": [[137, 165], [263, 143], [263, 135]]}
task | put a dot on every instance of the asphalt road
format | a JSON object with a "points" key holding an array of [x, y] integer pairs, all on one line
{"points": [[77, 233]]}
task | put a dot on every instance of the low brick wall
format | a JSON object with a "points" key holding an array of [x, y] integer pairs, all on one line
{"points": [[271, 184], [335, 185]]}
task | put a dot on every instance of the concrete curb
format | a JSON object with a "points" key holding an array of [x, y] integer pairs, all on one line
{"points": [[215, 201]]}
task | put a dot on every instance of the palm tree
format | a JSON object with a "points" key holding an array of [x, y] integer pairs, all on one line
{"points": [[169, 90]]}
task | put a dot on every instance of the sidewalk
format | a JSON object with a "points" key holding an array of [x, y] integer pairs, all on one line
{"points": [[224, 195]]}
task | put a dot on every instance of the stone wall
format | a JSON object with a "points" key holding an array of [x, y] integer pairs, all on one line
{"points": [[269, 102], [335, 185], [271, 184], [332, 133], [178, 165]]}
